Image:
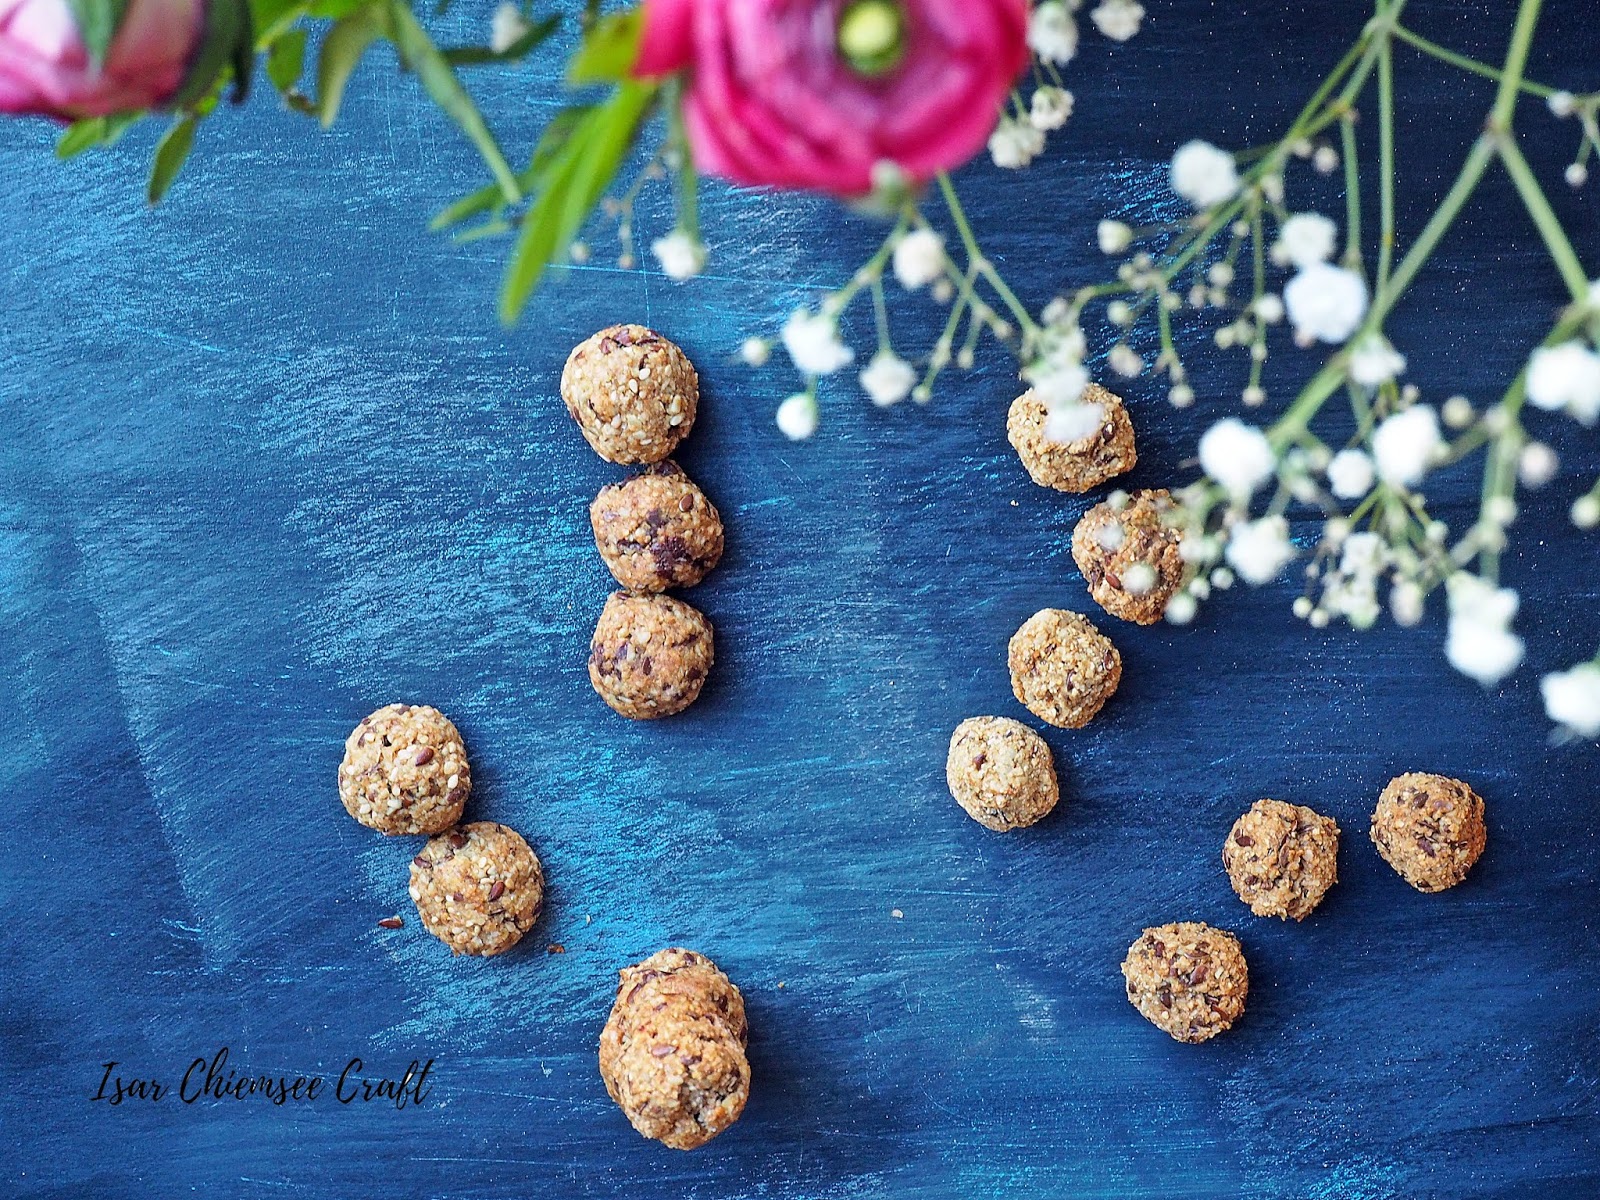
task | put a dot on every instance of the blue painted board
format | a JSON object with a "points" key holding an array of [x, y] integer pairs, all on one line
{"points": [[269, 462]]}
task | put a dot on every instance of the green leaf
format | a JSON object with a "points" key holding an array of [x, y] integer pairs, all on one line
{"points": [[286, 60], [471, 56], [226, 52], [171, 154], [491, 197], [98, 22], [272, 18], [95, 131], [578, 177], [342, 51], [439, 78], [610, 48]]}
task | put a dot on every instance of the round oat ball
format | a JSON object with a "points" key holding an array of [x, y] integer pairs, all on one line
{"points": [[632, 392], [1001, 772], [1187, 979], [405, 771], [1062, 668], [649, 655], [1127, 549], [672, 1053], [1282, 858], [1073, 466], [478, 888], [657, 530], [1430, 829]]}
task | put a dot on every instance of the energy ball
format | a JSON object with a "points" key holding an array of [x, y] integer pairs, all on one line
{"points": [[1282, 858], [405, 771], [478, 888], [672, 1053], [1187, 979], [657, 530], [632, 392], [1127, 549], [1073, 466], [1430, 829], [1001, 772], [1062, 668], [649, 655]]}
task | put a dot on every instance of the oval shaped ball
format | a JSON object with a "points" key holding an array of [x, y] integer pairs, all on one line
{"points": [[1001, 772]]}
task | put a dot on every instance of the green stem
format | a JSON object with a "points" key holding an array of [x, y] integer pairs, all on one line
{"points": [[980, 263], [1544, 218], [1385, 161], [1352, 192], [1476, 67], [1505, 99]]}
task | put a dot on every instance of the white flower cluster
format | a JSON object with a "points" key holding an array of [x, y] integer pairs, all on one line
{"points": [[1572, 699], [1480, 641], [1566, 378]]}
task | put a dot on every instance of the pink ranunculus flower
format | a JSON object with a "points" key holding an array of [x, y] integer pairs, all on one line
{"points": [[46, 69], [771, 98]]}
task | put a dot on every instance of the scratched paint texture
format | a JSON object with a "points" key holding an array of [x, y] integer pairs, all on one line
{"points": [[269, 462]]}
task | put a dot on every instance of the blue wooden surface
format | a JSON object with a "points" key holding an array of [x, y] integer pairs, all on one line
{"points": [[269, 462]]}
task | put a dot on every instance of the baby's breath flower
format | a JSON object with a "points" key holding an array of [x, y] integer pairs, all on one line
{"points": [[1572, 699], [1220, 274], [812, 340], [1114, 237], [1304, 239], [1458, 412], [888, 378], [1537, 465], [1181, 608], [1138, 578], [1566, 377], [1373, 361], [1325, 303], [1236, 455], [1406, 603], [1480, 642], [1181, 395], [1404, 445], [1014, 145], [1576, 175], [1325, 159], [1350, 474], [1072, 422], [1052, 33], [918, 258], [1119, 312], [797, 416], [1585, 512], [507, 28], [755, 352], [1204, 175], [1260, 549], [1117, 19], [681, 254], [1124, 360], [1254, 395], [1560, 103], [1268, 307], [1049, 108]]}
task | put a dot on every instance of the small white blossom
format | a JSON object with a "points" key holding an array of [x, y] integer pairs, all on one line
{"points": [[1305, 239], [1049, 108], [1585, 512], [1561, 103], [1325, 303], [1373, 361], [754, 351], [1572, 698], [1404, 445], [1058, 375], [1236, 455], [1181, 608], [1480, 642], [507, 28], [681, 255], [1118, 19], [1114, 237], [1566, 377], [918, 258], [1014, 145], [1052, 33], [812, 340], [1325, 159], [1138, 578], [1576, 175], [1350, 474], [1260, 549], [1269, 307], [1537, 465], [797, 416], [1124, 360], [1457, 412], [888, 378], [1406, 604], [1073, 422], [1204, 175]]}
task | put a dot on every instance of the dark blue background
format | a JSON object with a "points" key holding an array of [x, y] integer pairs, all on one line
{"points": [[269, 462]]}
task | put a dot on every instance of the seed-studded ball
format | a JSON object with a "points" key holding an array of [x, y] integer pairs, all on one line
{"points": [[1430, 829], [1062, 668], [405, 771], [1282, 858], [649, 655], [1073, 466], [478, 888], [656, 530], [1001, 772], [672, 1053], [1187, 979], [1127, 549], [632, 392]]}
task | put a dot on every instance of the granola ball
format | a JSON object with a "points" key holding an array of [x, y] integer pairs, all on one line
{"points": [[1187, 979], [1001, 772], [1430, 829], [632, 392], [1282, 858], [1073, 466], [1127, 549], [478, 888], [672, 1053], [1063, 668], [657, 530], [405, 771], [649, 655]]}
